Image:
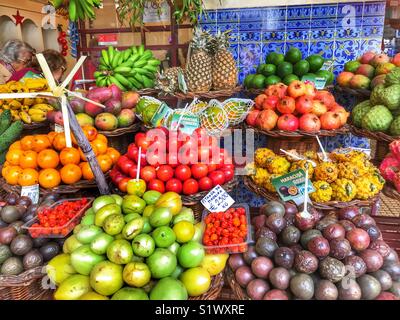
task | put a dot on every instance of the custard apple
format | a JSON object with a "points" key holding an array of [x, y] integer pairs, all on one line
{"points": [[391, 97], [376, 95], [395, 127], [378, 118], [393, 77], [359, 111]]}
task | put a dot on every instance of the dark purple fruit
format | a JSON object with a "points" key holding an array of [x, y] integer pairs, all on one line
{"points": [[319, 246], [257, 288], [243, 276], [349, 213], [357, 264], [279, 278], [334, 231], [276, 294], [332, 269], [266, 247], [11, 198], [24, 201], [284, 257], [276, 222], [273, 207], [266, 232], [302, 286], [235, 261], [261, 267], [363, 221], [296, 248], [381, 247], [308, 235], [358, 238], [340, 248], [395, 289], [394, 271], [349, 289], [258, 221], [384, 279], [370, 287], [290, 235], [305, 262], [373, 232], [304, 222], [250, 255], [392, 257], [326, 290], [325, 222], [347, 225]]}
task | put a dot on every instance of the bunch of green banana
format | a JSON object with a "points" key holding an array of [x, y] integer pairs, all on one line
{"points": [[132, 69], [78, 9]]}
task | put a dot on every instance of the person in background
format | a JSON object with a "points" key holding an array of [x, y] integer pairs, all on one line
{"points": [[14, 56], [55, 60]]}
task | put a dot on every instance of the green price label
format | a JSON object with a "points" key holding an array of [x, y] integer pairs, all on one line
{"points": [[160, 117], [291, 186], [186, 123], [319, 82]]}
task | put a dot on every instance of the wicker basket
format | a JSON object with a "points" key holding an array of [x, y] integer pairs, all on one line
{"points": [[217, 282], [122, 137], [149, 92], [390, 191], [26, 286], [359, 93], [330, 205], [301, 145], [208, 95]]}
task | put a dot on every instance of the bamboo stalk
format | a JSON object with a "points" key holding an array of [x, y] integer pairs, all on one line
{"points": [[84, 144]]}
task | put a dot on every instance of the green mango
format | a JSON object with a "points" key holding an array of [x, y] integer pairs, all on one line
{"points": [[105, 212]]}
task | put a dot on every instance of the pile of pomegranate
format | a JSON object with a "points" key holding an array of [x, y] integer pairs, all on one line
{"points": [[339, 256], [298, 106]]}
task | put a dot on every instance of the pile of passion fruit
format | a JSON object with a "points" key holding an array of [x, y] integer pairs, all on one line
{"points": [[304, 256]]}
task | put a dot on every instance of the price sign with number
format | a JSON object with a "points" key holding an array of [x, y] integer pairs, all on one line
{"points": [[217, 200], [32, 192]]}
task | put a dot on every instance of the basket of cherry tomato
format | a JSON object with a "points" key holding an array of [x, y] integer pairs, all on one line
{"points": [[227, 232], [59, 219]]}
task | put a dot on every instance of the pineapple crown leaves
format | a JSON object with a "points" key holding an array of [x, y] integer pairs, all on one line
{"points": [[200, 39], [220, 41]]}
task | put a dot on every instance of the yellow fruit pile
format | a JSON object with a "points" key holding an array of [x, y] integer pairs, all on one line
{"points": [[347, 176], [27, 110]]}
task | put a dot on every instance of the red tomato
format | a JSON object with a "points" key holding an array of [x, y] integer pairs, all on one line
{"points": [[217, 177], [205, 184], [212, 167], [229, 174], [187, 155], [142, 141], [199, 170], [165, 172], [133, 172], [190, 186], [228, 166], [132, 152], [174, 185], [155, 159], [125, 164], [148, 173], [223, 158], [182, 172], [156, 185], [117, 178], [143, 158], [204, 154], [172, 159], [123, 184]]}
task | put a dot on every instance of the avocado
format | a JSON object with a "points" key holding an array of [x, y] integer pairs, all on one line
{"points": [[49, 250], [21, 245], [32, 259], [5, 253], [12, 266], [10, 214]]}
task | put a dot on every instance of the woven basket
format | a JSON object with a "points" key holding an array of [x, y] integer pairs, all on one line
{"points": [[121, 138], [390, 191], [208, 95], [379, 136], [217, 282], [35, 128], [149, 92], [301, 145], [238, 292], [330, 205], [360, 93], [26, 286]]}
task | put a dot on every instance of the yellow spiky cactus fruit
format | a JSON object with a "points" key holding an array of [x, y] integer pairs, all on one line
{"points": [[343, 190], [326, 171], [323, 192]]}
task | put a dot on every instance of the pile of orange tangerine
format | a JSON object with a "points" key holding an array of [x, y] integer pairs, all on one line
{"points": [[46, 160]]}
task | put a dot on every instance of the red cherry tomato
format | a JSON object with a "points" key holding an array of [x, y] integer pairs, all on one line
{"points": [[199, 170], [117, 178], [63, 34], [165, 172], [217, 177], [174, 185], [212, 167], [228, 166], [204, 154], [122, 185], [133, 172], [156, 185], [143, 158], [182, 172], [132, 152], [125, 164], [190, 186], [205, 184], [65, 47], [142, 141], [63, 41], [148, 173], [172, 159], [229, 174]]}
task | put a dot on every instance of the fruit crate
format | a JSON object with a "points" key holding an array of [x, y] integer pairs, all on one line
{"points": [[230, 248], [59, 231]]}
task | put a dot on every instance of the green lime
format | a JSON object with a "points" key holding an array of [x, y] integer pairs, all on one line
{"points": [[274, 58], [258, 81], [260, 68], [301, 68], [293, 55], [284, 69], [289, 79], [248, 80], [269, 70], [316, 62], [272, 80]]}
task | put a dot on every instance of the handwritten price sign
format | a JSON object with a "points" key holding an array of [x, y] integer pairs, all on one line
{"points": [[32, 192], [217, 200]]}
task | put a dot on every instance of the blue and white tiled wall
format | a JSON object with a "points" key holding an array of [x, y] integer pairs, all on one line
{"points": [[339, 31]]}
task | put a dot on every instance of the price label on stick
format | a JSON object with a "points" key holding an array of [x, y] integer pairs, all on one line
{"points": [[217, 200], [58, 128], [32, 192]]}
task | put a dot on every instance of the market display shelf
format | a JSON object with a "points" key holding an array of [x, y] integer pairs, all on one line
{"points": [[389, 207], [378, 136], [206, 95]]}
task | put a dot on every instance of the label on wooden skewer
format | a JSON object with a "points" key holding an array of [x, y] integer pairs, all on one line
{"points": [[32, 192]]}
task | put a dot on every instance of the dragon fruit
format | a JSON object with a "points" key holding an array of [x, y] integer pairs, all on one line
{"points": [[389, 167], [395, 149], [396, 181]]}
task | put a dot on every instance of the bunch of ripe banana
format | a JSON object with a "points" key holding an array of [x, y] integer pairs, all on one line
{"points": [[26, 109], [78, 9], [131, 69]]}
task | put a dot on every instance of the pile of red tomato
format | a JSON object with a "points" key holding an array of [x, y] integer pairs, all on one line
{"points": [[170, 163], [58, 220], [226, 232]]}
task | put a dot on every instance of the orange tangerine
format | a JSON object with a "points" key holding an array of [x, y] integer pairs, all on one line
{"points": [[49, 178], [28, 177], [48, 158], [71, 173], [28, 159], [13, 156]]}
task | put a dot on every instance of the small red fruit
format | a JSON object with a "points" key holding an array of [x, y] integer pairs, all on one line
{"points": [[330, 121], [174, 185], [288, 122], [190, 186], [296, 89], [165, 172], [286, 105], [205, 184], [309, 122], [304, 104], [156, 185], [270, 102]]}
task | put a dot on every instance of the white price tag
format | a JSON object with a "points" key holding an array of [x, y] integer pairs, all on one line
{"points": [[217, 200], [32, 192], [58, 128]]}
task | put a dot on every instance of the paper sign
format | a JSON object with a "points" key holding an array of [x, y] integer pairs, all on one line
{"points": [[109, 39], [187, 123], [152, 13], [319, 82], [217, 200], [160, 117], [291, 186], [32, 192], [58, 128]]}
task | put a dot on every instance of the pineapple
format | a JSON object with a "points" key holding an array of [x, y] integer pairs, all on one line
{"points": [[323, 191], [198, 73], [367, 187], [224, 70], [326, 171], [343, 190], [168, 81], [278, 165], [303, 164], [261, 155]]}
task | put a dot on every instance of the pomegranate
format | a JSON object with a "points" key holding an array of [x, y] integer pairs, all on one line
{"points": [[286, 105], [252, 117], [340, 248], [259, 100], [309, 122], [270, 102], [330, 121], [363, 221], [288, 122], [357, 264], [304, 223], [304, 104], [278, 90], [349, 212], [334, 231], [381, 247], [325, 97], [310, 90], [296, 89], [267, 119], [319, 246], [372, 259], [343, 114], [358, 238], [319, 108]]}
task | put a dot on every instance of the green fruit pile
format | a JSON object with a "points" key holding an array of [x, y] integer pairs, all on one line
{"points": [[287, 68], [382, 111], [132, 69], [133, 248]]}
